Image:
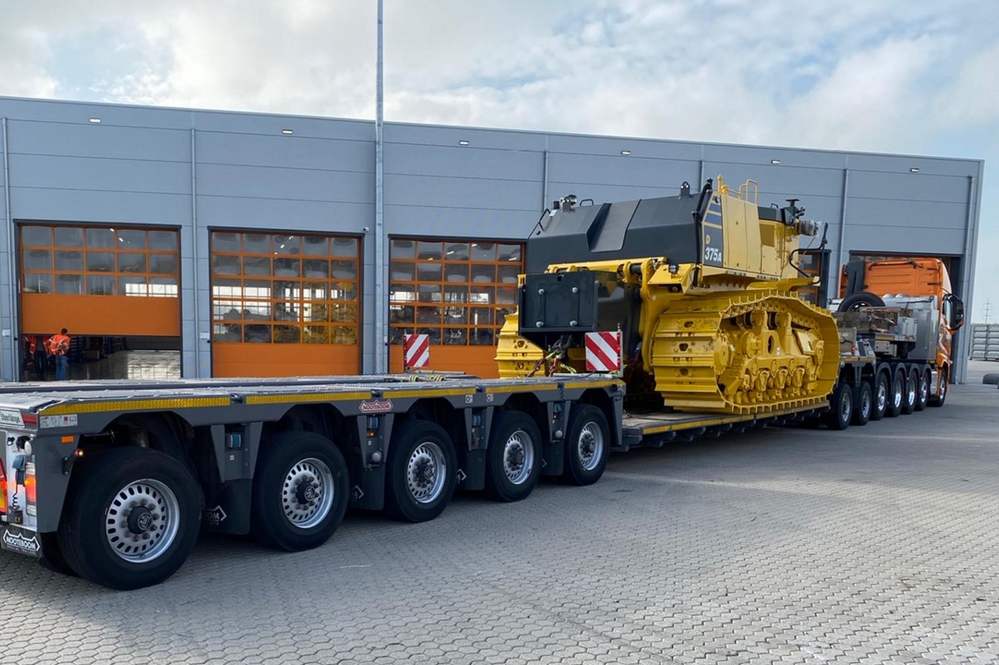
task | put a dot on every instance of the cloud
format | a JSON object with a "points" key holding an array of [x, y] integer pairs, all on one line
{"points": [[22, 61], [974, 96], [897, 75]]}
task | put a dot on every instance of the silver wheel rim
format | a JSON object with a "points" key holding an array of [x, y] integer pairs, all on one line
{"points": [[924, 389], [307, 493], [590, 446], [882, 396], [518, 457], [865, 404], [911, 391], [426, 472], [845, 407], [897, 396], [142, 520]]}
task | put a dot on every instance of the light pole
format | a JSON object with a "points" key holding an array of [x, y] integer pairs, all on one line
{"points": [[380, 268]]}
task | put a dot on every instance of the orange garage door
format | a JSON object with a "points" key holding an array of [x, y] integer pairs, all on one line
{"points": [[99, 280], [456, 291], [284, 305]]}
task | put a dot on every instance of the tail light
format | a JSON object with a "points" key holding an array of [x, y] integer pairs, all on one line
{"points": [[30, 490], [3, 490]]}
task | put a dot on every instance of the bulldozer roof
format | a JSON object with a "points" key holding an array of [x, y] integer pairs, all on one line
{"points": [[663, 226]]}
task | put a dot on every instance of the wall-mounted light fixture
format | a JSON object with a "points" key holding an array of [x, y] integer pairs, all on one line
{"points": [[625, 152], [463, 142], [914, 169], [776, 162], [94, 121], [287, 132]]}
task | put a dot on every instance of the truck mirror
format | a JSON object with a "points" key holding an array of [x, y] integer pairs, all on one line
{"points": [[956, 312]]}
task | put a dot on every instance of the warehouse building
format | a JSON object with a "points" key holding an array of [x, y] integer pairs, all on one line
{"points": [[202, 243]]}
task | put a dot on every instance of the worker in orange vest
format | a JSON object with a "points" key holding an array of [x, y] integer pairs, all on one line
{"points": [[58, 346]]}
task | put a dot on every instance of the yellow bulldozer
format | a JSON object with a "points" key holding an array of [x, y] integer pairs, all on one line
{"points": [[702, 289]]}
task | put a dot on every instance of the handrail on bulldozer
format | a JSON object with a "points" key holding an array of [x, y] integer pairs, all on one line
{"points": [[750, 188]]}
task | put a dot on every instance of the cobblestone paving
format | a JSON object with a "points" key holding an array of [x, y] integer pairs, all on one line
{"points": [[874, 545]]}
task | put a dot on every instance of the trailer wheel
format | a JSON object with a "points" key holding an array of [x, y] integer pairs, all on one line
{"points": [[882, 390], [513, 460], [938, 400], [422, 468], [131, 519], [911, 390], [300, 491], [587, 447], [52, 556], [922, 379], [897, 396], [863, 403], [840, 407]]}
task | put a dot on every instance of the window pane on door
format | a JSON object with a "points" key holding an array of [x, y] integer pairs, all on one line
{"points": [[100, 261], [454, 283], [292, 285]]}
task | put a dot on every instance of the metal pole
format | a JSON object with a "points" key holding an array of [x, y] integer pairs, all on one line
{"points": [[11, 258], [381, 296], [838, 267], [962, 350], [194, 256], [544, 182]]}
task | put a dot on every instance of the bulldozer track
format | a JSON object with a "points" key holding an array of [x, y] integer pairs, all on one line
{"points": [[744, 352]]}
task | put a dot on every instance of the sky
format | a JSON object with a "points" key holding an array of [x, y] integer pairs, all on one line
{"points": [[907, 76]]}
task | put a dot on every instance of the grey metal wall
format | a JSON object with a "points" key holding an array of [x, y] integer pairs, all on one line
{"points": [[198, 170]]}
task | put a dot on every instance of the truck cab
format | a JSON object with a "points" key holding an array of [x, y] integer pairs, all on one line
{"points": [[895, 279]]}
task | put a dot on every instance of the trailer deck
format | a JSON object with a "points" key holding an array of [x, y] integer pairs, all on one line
{"points": [[63, 398], [656, 429]]}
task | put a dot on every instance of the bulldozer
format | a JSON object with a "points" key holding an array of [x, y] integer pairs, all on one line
{"points": [[701, 289]]}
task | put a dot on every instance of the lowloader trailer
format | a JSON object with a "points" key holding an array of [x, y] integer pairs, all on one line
{"points": [[114, 480]]}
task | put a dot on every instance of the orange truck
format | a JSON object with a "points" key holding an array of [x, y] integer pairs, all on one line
{"points": [[922, 287]]}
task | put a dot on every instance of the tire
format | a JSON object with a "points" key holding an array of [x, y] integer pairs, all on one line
{"points": [[587, 447], [896, 397], [513, 459], [863, 403], [423, 471], [882, 388], [922, 388], [859, 301], [52, 556], [911, 390], [840, 407], [938, 400], [145, 546], [301, 489]]}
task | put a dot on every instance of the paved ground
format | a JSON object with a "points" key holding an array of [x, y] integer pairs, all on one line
{"points": [[875, 545]]}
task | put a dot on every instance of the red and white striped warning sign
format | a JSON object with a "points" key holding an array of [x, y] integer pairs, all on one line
{"points": [[415, 351], [603, 351]]}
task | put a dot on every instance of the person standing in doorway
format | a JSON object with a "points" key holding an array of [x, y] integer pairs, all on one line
{"points": [[59, 347], [40, 356]]}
